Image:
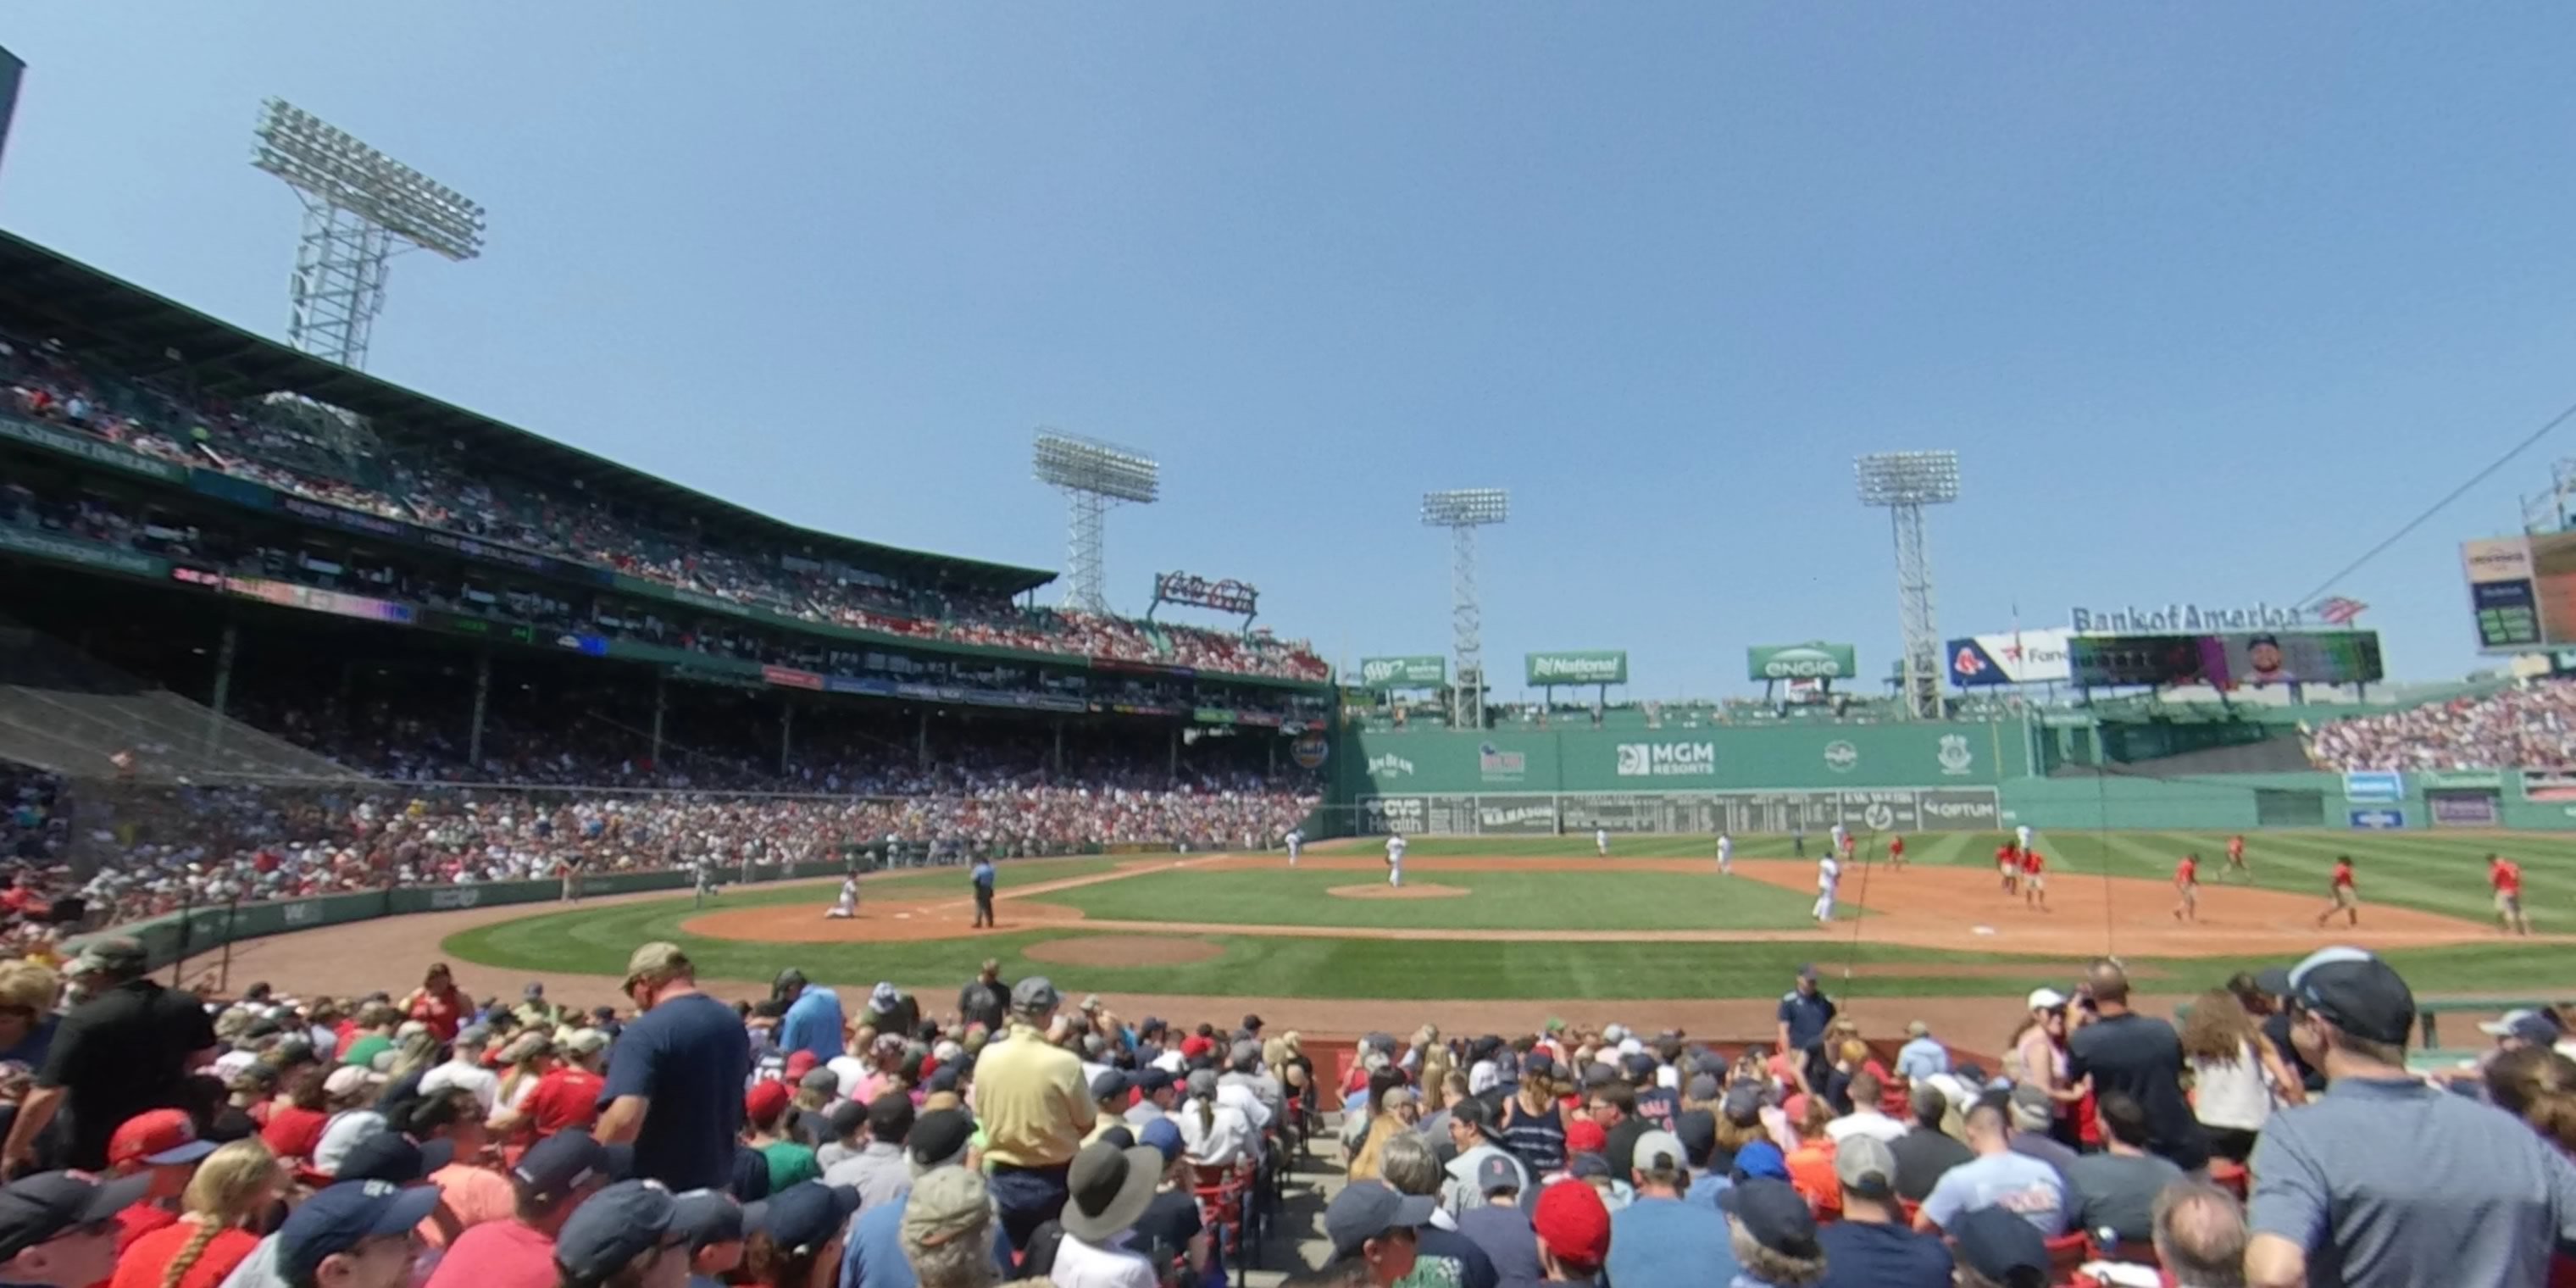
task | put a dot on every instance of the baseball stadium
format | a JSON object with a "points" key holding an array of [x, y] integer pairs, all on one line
{"points": [[396, 794]]}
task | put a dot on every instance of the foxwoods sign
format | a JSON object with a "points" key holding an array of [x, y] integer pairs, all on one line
{"points": [[2184, 619]]}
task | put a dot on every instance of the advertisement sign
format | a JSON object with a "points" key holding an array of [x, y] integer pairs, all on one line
{"points": [[1420, 671], [2462, 809], [2476, 780], [2548, 785], [2522, 591], [2225, 661], [1815, 660], [2185, 619], [1310, 750], [1226, 596], [2374, 785], [1666, 760], [1516, 815], [2379, 820], [1579, 666], [1881, 813], [2014, 657]]}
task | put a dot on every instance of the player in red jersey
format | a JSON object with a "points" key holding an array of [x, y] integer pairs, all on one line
{"points": [[1896, 851], [2008, 862], [2347, 900], [2187, 887], [2236, 857], [2506, 876], [2034, 879]]}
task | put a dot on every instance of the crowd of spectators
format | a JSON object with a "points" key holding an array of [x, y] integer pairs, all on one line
{"points": [[292, 449], [887, 1140], [2531, 725]]}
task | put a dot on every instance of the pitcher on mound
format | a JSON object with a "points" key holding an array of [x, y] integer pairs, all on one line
{"points": [[847, 906], [1395, 861]]}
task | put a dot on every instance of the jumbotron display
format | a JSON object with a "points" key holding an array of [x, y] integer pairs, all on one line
{"points": [[2228, 660], [2523, 590]]}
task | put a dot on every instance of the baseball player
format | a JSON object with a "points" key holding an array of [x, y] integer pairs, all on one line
{"points": [[1395, 861], [2187, 888], [1829, 872], [1841, 843], [847, 905], [2506, 876], [2034, 880], [1896, 851], [1601, 841], [2347, 899], [2021, 837], [2008, 863], [2236, 858], [706, 882], [1296, 840], [1725, 855]]}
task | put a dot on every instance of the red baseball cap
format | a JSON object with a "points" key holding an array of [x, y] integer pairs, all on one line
{"points": [[766, 1099], [800, 1064], [1584, 1136], [159, 1138], [1573, 1222]]}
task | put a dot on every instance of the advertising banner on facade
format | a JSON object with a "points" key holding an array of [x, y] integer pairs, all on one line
{"points": [[1420, 671], [2014, 657], [1870, 813], [1578, 666], [1815, 660]]}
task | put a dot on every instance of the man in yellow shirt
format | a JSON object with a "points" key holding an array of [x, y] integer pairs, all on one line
{"points": [[1035, 1111]]}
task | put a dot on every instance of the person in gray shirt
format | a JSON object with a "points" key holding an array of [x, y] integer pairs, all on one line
{"points": [[878, 1171], [2385, 1182], [2116, 1190]]}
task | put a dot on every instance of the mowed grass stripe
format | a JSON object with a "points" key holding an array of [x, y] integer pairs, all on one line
{"points": [[1498, 899]]}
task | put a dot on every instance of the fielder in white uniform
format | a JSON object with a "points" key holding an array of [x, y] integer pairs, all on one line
{"points": [[1295, 839], [1828, 872], [1725, 855], [1395, 861], [1842, 841], [1601, 841], [848, 904], [2022, 835]]}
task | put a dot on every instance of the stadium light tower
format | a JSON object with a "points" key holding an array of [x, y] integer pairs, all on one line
{"points": [[361, 207], [1903, 483], [1093, 476], [1462, 512]]}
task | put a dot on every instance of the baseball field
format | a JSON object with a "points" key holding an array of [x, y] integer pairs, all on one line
{"points": [[1495, 926]]}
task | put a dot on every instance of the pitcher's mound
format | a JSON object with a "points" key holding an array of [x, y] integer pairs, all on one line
{"points": [[1122, 950], [1381, 890]]}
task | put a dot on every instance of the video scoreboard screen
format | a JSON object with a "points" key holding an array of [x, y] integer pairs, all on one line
{"points": [[2522, 591], [2227, 660]]}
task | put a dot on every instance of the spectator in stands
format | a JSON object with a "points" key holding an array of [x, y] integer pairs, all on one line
{"points": [[127, 1049], [1532, 1126], [625, 1237], [1500, 1223], [2141, 1057], [354, 1235], [1805, 1014], [1658, 1238], [28, 992], [2031, 1110], [1870, 1247], [1573, 1229], [1772, 1233], [438, 1003], [1921, 1056], [452, 1136], [1470, 1126], [2537, 1085], [2038, 1057], [984, 997], [878, 1171], [802, 1236], [1109, 1188], [2475, 1197], [464, 1068], [1441, 1253], [790, 1161], [235, 1186], [551, 1182], [1371, 1225], [162, 1144], [2200, 1236], [2116, 1190], [674, 1081], [813, 1020], [941, 1142], [1996, 1177], [1035, 1109], [1865, 1118], [1991, 1249], [947, 1231], [565, 1097], [2235, 1074]]}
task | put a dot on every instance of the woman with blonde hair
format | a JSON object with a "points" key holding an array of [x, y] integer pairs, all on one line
{"points": [[232, 1190], [2537, 1085], [2236, 1075], [529, 1056]]}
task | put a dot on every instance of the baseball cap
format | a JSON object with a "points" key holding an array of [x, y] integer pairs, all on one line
{"points": [[766, 1100], [42, 1206], [1537, 1064], [1366, 1209], [392, 1156], [1866, 1166], [108, 953], [2031, 1101], [706, 1218], [788, 980], [1660, 1150], [2540, 1028], [1036, 993], [939, 1137], [159, 1138], [1162, 1134], [2000, 1246], [1497, 1172], [806, 1215], [655, 958], [2272, 981], [1150, 1079], [1584, 1136], [1574, 1223], [2357, 991], [1775, 1214], [561, 1163], [343, 1216], [2046, 999], [1252, 1024], [1108, 1084], [614, 1227], [1743, 1104], [1697, 1131], [586, 1042], [1761, 1158], [1589, 1167], [1701, 1088]]}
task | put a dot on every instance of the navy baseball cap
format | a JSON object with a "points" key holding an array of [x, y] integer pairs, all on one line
{"points": [[1775, 1214], [1150, 1080], [614, 1227], [1366, 1209], [806, 1215], [2358, 992], [345, 1215], [42, 1206], [556, 1166], [707, 1218], [391, 1156]]}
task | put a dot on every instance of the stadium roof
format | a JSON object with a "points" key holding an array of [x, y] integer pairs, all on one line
{"points": [[99, 313]]}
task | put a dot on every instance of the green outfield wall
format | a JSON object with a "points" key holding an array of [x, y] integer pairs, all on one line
{"points": [[1815, 757]]}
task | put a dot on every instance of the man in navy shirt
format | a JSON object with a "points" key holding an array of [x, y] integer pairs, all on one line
{"points": [[983, 876], [676, 1075], [1870, 1247], [1804, 1014]]}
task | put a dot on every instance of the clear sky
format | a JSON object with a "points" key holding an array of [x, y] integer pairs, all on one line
{"points": [[2207, 297]]}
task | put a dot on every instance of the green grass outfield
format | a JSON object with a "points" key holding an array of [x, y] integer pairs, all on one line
{"points": [[1496, 900], [2432, 871]]}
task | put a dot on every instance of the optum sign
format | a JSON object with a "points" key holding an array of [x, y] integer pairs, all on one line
{"points": [[1589, 666], [1815, 660]]}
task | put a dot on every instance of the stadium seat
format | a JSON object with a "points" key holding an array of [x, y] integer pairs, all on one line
{"points": [[2228, 1176], [2066, 1255]]}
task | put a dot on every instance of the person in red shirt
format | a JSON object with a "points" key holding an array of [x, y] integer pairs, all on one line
{"points": [[438, 1003], [163, 1143], [234, 1188], [2506, 876], [2034, 879], [2236, 857], [2347, 900], [2008, 862], [1896, 851], [550, 1181], [565, 1098], [2187, 888]]}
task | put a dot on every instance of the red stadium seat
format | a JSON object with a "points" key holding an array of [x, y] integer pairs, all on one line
{"points": [[2066, 1255]]}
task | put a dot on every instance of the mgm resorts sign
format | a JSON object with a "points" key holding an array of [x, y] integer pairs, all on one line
{"points": [[2184, 619]]}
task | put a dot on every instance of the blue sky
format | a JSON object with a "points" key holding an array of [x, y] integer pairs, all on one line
{"points": [[2208, 298]]}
